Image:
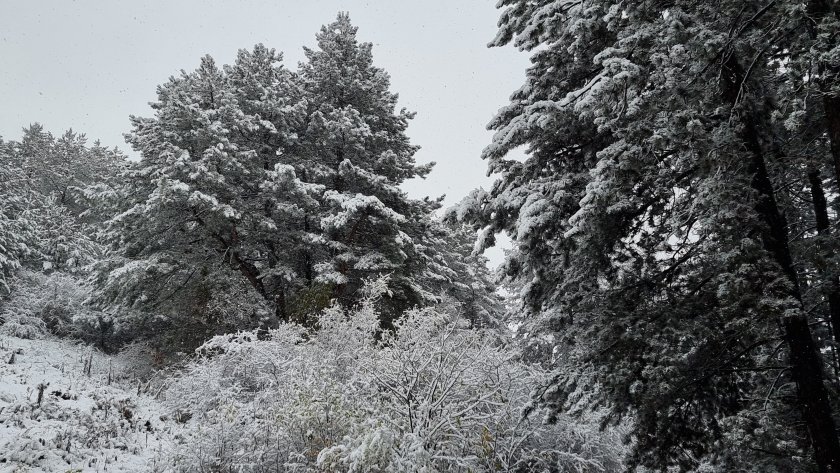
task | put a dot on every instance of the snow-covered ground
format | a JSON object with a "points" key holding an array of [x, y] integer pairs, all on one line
{"points": [[96, 413]]}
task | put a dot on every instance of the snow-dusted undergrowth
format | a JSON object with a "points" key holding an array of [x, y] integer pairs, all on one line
{"points": [[94, 413], [434, 396]]}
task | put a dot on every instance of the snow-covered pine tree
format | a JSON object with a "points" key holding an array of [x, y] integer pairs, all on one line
{"points": [[649, 238], [211, 211], [289, 183], [14, 232], [354, 144], [61, 168], [42, 185], [455, 270]]}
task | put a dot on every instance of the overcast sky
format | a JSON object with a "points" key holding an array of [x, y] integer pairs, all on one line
{"points": [[90, 64]]}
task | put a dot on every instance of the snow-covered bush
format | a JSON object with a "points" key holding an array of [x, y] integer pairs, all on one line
{"points": [[53, 303], [30, 299], [20, 324], [432, 396]]}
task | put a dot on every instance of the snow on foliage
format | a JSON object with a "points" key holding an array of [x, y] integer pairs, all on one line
{"points": [[432, 396], [675, 246]]}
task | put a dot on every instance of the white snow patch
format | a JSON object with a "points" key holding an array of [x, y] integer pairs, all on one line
{"points": [[88, 419]]}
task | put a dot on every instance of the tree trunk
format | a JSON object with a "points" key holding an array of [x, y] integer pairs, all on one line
{"points": [[820, 203], [812, 395], [280, 306], [806, 364], [306, 252], [245, 268], [829, 279]]}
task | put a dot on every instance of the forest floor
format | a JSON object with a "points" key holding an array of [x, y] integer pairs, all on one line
{"points": [[66, 407]]}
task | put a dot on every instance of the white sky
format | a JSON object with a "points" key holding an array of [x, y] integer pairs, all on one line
{"points": [[90, 64]]}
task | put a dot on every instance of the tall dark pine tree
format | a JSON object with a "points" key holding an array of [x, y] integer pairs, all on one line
{"points": [[650, 237]]}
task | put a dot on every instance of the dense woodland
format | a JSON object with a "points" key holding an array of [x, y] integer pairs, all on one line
{"points": [[672, 297]]}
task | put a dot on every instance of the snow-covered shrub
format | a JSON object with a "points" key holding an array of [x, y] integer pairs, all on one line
{"points": [[75, 433], [432, 396], [21, 310], [21, 325], [54, 303]]}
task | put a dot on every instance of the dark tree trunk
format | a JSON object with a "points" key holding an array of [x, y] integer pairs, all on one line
{"points": [[820, 203], [817, 10], [812, 395], [245, 268], [306, 253], [280, 306], [251, 273], [339, 290], [338, 182], [830, 279], [806, 364]]}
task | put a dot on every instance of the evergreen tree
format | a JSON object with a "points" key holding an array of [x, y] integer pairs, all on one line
{"points": [[62, 168], [650, 237], [211, 200], [807, 125], [354, 144], [455, 270], [14, 230], [283, 187], [46, 220]]}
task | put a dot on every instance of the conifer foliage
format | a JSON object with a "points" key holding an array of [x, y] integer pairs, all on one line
{"points": [[210, 200], [653, 221], [13, 227], [355, 145], [258, 183], [46, 218]]}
